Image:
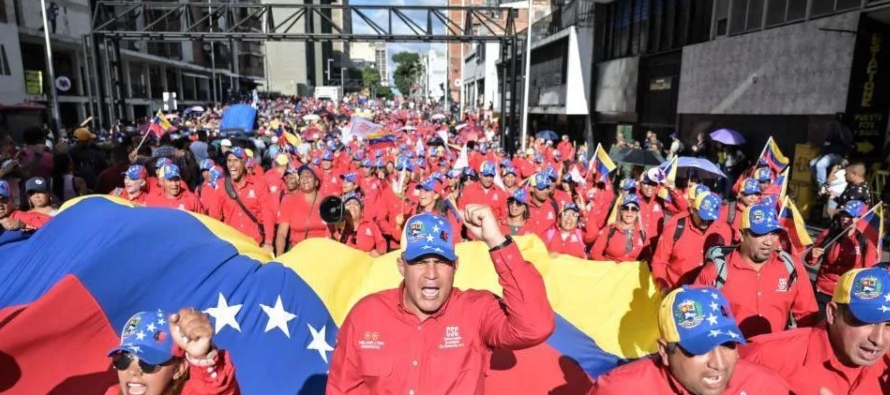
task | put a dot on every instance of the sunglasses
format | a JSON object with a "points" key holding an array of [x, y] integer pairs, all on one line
{"points": [[4, 200], [630, 208], [121, 361]]}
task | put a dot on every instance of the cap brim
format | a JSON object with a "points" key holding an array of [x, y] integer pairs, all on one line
{"points": [[412, 254], [704, 343], [764, 229], [870, 313], [146, 354]]}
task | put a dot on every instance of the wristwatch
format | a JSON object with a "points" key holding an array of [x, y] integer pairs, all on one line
{"points": [[507, 241]]}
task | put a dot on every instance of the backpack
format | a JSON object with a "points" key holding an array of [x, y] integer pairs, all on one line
{"points": [[717, 256], [731, 213], [681, 226]]}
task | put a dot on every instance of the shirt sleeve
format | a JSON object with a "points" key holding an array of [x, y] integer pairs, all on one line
{"points": [[707, 275], [808, 259], [526, 318], [221, 381], [344, 376], [663, 254], [599, 246], [804, 308], [379, 241], [267, 216]]}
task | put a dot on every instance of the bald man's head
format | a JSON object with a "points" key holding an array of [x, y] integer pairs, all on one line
{"points": [[856, 173]]}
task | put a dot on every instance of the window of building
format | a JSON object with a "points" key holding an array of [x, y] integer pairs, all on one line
{"points": [[4, 62], [637, 27]]}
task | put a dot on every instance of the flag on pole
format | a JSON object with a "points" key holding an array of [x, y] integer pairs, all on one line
{"points": [[772, 156], [670, 178], [602, 164], [871, 224], [159, 125], [792, 221], [775, 194]]}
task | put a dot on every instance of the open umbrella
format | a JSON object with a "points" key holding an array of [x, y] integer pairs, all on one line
{"points": [[728, 137], [438, 117], [639, 157], [704, 167], [547, 135]]}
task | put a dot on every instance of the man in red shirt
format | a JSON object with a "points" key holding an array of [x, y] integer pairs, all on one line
{"points": [[651, 208], [845, 354], [542, 207], [748, 196], [426, 337], [680, 252], [763, 286], [258, 221], [8, 213], [173, 196], [485, 192], [696, 354], [850, 250], [135, 185]]}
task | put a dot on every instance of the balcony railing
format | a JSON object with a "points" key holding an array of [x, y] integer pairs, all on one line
{"points": [[574, 13]]}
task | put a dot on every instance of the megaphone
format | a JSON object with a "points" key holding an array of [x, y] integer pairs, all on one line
{"points": [[331, 210]]}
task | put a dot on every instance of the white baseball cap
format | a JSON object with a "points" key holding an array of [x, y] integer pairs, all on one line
{"points": [[225, 143]]}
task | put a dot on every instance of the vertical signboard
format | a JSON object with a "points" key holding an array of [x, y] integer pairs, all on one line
{"points": [[868, 98]]}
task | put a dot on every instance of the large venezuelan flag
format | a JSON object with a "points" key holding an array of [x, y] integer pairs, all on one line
{"points": [[66, 291]]}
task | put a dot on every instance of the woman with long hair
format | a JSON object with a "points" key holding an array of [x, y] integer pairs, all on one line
{"points": [[517, 223], [624, 240], [565, 236]]}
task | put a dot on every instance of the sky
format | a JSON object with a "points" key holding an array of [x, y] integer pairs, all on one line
{"points": [[360, 27]]}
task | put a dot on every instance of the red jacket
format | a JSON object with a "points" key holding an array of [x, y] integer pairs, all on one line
{"points": [[614, 248], [650, 376], [254, 194], [805, 359], [676, 264], [202, 382], [572, 244], [384, 349], [844, 255], [761, 300]]}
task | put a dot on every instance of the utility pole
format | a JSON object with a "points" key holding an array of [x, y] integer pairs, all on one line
{"points": [[51, 93], [527, 71], [214, 87]]}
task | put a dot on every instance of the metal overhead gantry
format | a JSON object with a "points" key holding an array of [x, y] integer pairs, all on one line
{"points": [[218, 21]]}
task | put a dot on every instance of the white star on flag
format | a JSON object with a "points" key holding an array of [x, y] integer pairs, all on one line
{"points": [[429, 238], [278, 317], [885, 309], [714, 306], [161, 321], [140, 335], [714, 333], [151, 327], [887, 297], [224, 314], [733, 334], [319, 343], [712, 319], [714, 295]]}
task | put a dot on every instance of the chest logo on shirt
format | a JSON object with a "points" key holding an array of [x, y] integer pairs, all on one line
{"points": [[368, 232], [371, 341], [452, 338], [273, 188], [689, 314], [656, 208], [251, 194], [494, 197], [574, 239], [550, 215], [867, 288], [783, 285]]}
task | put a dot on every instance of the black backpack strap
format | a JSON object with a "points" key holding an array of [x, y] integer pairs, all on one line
{"points": [[730, 217], [681, 226], [230, 190]]}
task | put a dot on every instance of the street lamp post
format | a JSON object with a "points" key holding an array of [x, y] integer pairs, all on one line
{"points": [[329, 70], [343, 80], [53, 95]]}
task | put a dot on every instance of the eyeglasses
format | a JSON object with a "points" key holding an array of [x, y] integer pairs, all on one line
{"points": [[630, 208], [121, 361]]}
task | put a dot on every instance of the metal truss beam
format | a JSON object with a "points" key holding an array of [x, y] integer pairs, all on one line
{"points": [[174, 21]]}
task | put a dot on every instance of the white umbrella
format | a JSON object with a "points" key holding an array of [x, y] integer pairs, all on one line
{"points": [[311, 117]]}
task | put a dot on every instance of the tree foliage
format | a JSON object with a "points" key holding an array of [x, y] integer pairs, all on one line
{"points": [[370, 78], [408, 69]]}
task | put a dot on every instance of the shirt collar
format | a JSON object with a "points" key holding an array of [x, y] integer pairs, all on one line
{"points": [[820, 353]]}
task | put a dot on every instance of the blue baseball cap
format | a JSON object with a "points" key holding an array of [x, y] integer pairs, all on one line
{"points": [[437, 175], [541, 181], [353, 196], [628, 184], [349, 177], [487, 169], [551, 172], [509, 170], [855, 208], [306, 167], [708, 206], [428, 185], [4, 189], [506, 163], [428, 234], [358, 156], [136, 172], [521, 196], [759, 219], [161, 162], [763, 174], [327, 155], [147, 336], [403, 163], [378, 153], [170, 172], [865, 292], [366, 162], [453, 173], [469, 172], [631, 199], [36, 184], [570, 206], [557, 154], [379, 163], [698, 319], [750, 187], [207, 164], [237, 152], [316, 162]]}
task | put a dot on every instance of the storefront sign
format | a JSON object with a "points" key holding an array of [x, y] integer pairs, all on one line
{"points": [[869, 95], [34, 82]]}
